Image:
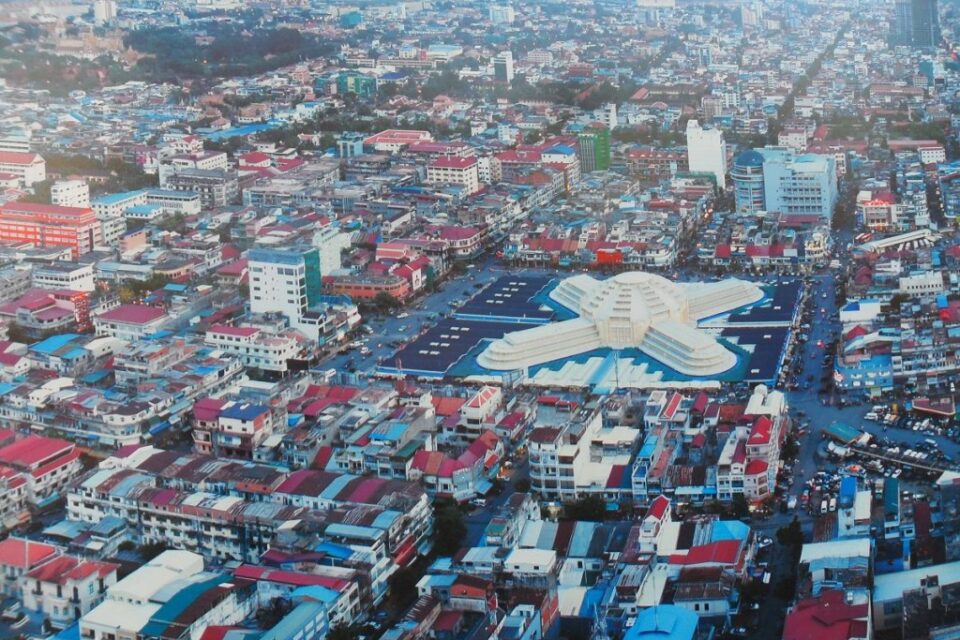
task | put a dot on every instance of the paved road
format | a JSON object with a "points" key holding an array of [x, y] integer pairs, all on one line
{"points": [[478, 519]]}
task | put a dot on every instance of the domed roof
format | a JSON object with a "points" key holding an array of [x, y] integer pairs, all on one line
{"points": [[635, 297], [749, 158]]}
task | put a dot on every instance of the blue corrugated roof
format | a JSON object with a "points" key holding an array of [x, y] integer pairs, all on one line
{"points": [[729, 530], [116, 198], [308, 619], [315, 592], [243, 411], [385, 519], [335, 550], [54, 343], [392, 432], [176, 605], [336, 486]]}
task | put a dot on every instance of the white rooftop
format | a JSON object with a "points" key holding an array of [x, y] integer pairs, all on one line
{"points": [[120, 616], [850, 548], [890, 586]]}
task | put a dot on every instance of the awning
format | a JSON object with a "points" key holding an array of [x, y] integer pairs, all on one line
{"points": [[160, 426]]}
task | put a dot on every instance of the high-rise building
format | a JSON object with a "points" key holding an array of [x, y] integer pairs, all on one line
{"points": [[707, 152], [607, 115], [594, 148], [350, 144], [778, 180], [501, 13], [104, 11], [916, 23], [804, 185], [286, 281], [503, 67], [747, 175]]}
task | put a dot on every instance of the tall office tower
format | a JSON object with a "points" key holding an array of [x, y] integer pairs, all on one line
{"points": [[707, 152], [501, 13], [503, 67], [104, 11], [285, 281], [926, 24], [747, 175], [916, 23], [593, 147]]}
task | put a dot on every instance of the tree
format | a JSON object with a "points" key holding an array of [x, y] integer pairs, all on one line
{"points": [[151, 550], [403, 586], [790, 449], [41, 193], [592, 507], [739, 506], [385, 302], [449, 528], [791, 535], [341, 632], [18, 333], [897, 301]]}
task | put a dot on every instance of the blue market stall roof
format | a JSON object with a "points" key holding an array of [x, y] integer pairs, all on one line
{"points": [[434, 352], [780, 306], [843, 433], [510, 298]]}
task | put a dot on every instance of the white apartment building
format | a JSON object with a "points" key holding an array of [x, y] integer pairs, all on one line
{"points": [[28, 167], [104, 11], [130, 321], [748, 461], [923, 284], [66, 588], [18, 144], [64, 275], [173, 202], [284, 281], [207, 161], [793, 138], [253, 346], [799, 184], [503, 67], [576, 459], [70, 193], [449, 170], [707, 152], [932, 155], [113, 205]]}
